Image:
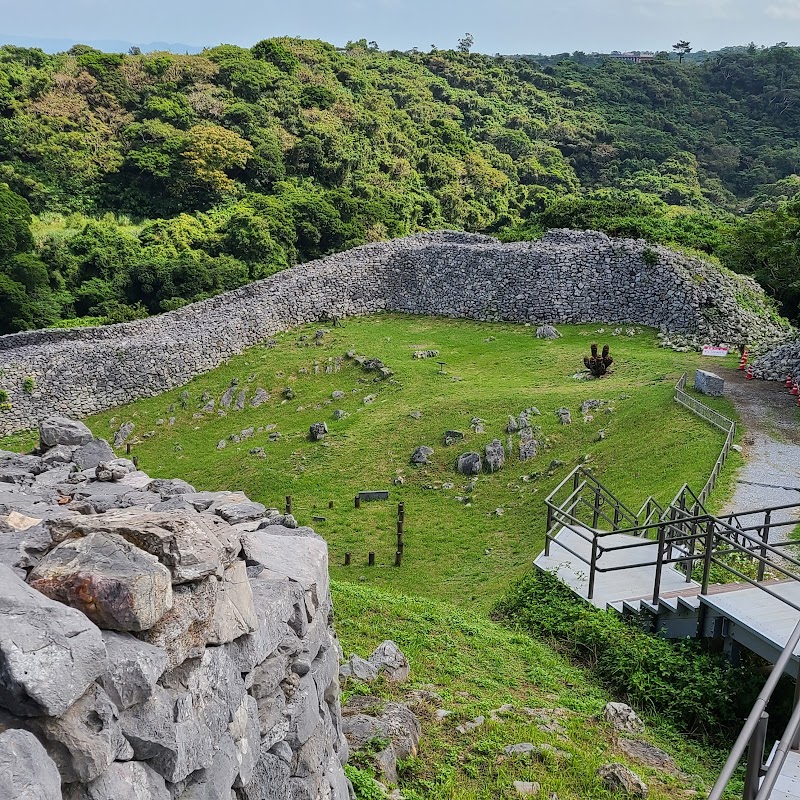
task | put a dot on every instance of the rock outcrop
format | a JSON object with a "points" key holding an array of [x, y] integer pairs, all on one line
{"points": [[151, 654], [566, 277]]}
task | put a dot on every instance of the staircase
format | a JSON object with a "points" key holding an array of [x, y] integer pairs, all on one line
{"points": [[684, 572]]}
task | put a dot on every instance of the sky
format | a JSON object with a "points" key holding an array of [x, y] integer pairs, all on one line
{"points": [[498, 26]]}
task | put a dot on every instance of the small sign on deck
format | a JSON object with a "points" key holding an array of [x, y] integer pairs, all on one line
{"points": [[708, 350]]}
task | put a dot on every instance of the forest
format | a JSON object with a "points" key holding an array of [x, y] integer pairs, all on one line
{"points": [[132, 184]]}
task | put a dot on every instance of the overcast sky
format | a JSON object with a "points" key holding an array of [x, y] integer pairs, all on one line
{"points": [[506, 26]]}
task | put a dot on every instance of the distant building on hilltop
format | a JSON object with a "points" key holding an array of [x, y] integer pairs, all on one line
{"points": [[633, 57]]}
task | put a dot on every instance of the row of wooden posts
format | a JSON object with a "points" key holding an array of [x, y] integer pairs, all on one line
{"points": [[401, 515]]}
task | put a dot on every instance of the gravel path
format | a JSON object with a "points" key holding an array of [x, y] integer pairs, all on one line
{"points": [[771, 473]]}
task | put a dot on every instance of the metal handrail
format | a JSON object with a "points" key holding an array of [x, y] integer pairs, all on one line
{"points": [[750, 725]]}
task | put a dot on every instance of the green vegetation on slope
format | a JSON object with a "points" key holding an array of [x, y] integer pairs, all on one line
{"points": [[477, 666], [241, 162], [454, 551]]}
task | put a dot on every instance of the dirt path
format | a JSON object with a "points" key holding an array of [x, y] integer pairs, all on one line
{"points": [[771, 474]]}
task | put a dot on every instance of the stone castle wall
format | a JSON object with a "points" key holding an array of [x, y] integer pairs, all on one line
{"points": [[157, 642], [567, 277]]}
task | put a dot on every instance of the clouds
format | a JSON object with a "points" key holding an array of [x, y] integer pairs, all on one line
{"points": [[784, 9]]}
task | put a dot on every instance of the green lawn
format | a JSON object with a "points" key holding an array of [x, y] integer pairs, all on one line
{"points": [[459, 559], [465, 554], [477, 666]]}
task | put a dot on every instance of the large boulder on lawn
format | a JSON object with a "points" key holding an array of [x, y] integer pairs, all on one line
{"points": [[495, 456], [618, 778], [117, 585], [422, 455], [26, 771], [62, 430], [390, 660], [469, 464], [49, 653], [623, 717]]}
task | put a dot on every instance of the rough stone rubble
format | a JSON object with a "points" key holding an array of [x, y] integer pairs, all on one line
{"points": [[566, 277], [776, 364], [159, 643]]}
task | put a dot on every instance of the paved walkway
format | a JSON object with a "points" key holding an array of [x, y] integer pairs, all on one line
{"points": [[771, 473]]}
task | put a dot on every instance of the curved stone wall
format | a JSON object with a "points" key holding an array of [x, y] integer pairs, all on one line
{"points": [[566, 277]]}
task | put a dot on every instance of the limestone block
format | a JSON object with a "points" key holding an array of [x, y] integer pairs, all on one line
{"points": [[234, 613], [55, 430], [708, 383], [49, 653], [115, 584], [132, 670], [26, 771]]}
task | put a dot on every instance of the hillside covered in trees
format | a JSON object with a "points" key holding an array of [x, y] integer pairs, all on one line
{"points": [[133, 184]]}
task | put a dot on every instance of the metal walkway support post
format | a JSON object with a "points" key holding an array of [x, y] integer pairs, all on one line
{"points": [[755, 758]]}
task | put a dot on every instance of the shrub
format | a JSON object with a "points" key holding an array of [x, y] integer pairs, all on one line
{"points": [[700, 691], [365, 786], [28, 385], [5, 403]]}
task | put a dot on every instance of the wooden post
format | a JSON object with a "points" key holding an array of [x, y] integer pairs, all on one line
{"points": [[136, 461], [401, 511], [128, 449], [400, 541], [347, 559], [398, 558], [330, 503], [288, 504], [357, 501], [371, 560], [399, 527]]}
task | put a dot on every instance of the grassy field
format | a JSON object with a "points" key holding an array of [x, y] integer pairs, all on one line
{"points": [[460, 557], [454, 550], [477, 666]]}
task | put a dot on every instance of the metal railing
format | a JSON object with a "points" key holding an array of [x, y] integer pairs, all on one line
{"points": [[728, 426]]}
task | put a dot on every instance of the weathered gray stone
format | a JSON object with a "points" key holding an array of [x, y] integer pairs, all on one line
{"points": [[186, 628], [170, 487], [244, 730], [618, 778], [623, 717], [469, 464], [124, 431], [259, 398], [234, 614], [495, 456], [709, 383], [26, 770], [300, 558], [89, 455], [86, 739], [55, 430], [132, 669], [116, 585], [422, 455], [173, 743], [648, 754], [234, 513], [131, 780], [390, 661], [318, 431], [359, 668], [270, 780], [191, 546], [60, 454], [547, 332], [49, 653]]}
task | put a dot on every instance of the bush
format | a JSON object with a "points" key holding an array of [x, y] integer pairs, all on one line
{"points": [[700, 691], [365, 786]]}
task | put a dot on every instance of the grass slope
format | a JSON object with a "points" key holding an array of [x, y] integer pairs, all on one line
{"points": [[476, 666], [453, 551]]}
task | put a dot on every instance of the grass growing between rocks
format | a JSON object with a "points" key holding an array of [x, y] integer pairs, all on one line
{"points": [[477, 666], [464, 553]]}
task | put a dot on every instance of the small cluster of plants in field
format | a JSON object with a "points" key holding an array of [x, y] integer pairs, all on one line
{"points": [[679, 679]]}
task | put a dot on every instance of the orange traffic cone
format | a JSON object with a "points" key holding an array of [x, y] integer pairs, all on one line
{"points": [[748, 376], [743, 360], [795, 390], [788, 382]]}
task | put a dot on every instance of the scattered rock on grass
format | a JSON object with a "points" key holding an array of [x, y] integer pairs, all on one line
{"points": [[618, 778], [623, 717]]}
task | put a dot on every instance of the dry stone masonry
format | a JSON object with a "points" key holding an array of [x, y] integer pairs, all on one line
{"points": [[566, 277], [156, 642]]}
